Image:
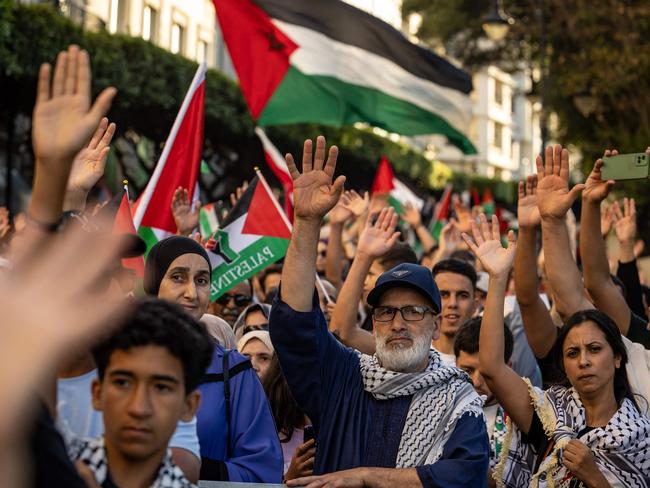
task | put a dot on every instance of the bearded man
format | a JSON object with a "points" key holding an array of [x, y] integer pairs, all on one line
{"points": [[397, 418]]}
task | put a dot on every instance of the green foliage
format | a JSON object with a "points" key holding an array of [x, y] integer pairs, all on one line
{"points": [[151, 84]]}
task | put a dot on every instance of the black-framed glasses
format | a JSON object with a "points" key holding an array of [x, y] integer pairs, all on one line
{"points": [[252, 328], [410, 313], [240, 299]]}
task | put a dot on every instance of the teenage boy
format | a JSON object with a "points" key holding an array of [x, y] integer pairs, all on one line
{"points": [[148, 373]]}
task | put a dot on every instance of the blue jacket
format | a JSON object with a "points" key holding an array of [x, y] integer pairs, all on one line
{"points": [[256, 452], [353, 429]]}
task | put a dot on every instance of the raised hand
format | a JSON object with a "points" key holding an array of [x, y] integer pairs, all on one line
{"points": [[341, 213], [487, 247], [527, 211], [239, 191], [464, 216], [314, 192], [63, 120], [625, 223], [186, 219], [412, 216], [597, 189], [449, 237], [89, 163], [378, 238], [553, 195], [357, 204], [606, 218]]}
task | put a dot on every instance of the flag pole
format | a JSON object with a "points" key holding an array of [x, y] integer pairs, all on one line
{"points": [[259, 174]]}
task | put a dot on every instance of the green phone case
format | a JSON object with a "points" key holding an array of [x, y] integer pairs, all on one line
{"points": [[626, 167]]}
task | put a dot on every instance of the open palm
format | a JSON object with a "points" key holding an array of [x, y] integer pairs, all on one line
{"points": [[379, 238], [314, 193], [597, 189], [89, 163], [527, 211], [487, 248], [553, 195]]}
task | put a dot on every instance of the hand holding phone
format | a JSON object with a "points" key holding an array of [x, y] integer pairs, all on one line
{"points": [[634, 166]]}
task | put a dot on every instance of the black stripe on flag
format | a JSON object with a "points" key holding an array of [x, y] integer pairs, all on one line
{"points": [[349, 25], [242, 205]]}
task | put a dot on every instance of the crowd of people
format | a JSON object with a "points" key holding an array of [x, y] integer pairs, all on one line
{"points": [[372, 355]]}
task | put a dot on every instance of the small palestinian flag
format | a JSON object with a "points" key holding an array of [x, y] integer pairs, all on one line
{"points": [[254, 235], [178, 165], [398, 193], [488, 203], [278, 165], [328, 62], [208, 220], [441, 216]]}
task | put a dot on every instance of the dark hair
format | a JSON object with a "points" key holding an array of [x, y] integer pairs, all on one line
{"points": [[161, 323], [456, 266], [399, 254], [613, 336], [467, 339], [273, 269], [285, 410], [463, 255]]}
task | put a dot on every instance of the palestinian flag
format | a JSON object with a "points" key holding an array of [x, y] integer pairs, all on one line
{"points": [[178, 165], [278, 166], [441, 216], [208, 220], [118, 211], [488, 203], [327, 62], [398, 193], [254, 235]]}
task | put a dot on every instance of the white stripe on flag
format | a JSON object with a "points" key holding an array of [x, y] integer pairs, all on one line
{"points": [[276, 157]]}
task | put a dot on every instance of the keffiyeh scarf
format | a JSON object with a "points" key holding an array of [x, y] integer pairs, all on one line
{"points": [[93, 454], [441, 395], [621, 448]]}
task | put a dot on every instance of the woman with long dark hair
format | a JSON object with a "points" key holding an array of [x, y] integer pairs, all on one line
{"points": [[585, 432]]}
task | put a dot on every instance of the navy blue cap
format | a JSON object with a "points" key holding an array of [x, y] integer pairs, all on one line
{"points": [[407, 275]]}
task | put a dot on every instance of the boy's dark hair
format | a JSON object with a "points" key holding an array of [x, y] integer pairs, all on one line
{"points": [[161, 323], [400, 253], [456, 266], [273, 269], [468, 335], [463, 255]]}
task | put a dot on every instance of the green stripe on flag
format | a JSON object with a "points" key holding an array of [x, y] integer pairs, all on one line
{"points": [[149, 238], [396, 204]]}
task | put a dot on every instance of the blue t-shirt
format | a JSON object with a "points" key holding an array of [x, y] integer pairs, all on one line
{"points": [[354, 429]]}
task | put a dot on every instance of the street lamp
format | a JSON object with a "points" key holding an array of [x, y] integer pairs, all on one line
{"points": [[496, 24]]}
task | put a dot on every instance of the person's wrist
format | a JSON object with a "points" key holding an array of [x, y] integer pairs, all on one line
{"points": [[500, 277], [75, 199]]}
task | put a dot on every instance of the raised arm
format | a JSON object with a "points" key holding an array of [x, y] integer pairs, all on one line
{"points": [[338, 216], [315, 193], [554, 199], [413, 217], [539, 327], [508, 387], [375, 241], [596, 273]]}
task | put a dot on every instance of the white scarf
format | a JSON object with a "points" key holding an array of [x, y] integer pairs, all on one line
{"points": [[621, 448], [441, 395]]}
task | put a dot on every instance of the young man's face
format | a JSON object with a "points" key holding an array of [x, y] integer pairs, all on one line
{"points": [[458, 301], [142, 398], [469, 363]]}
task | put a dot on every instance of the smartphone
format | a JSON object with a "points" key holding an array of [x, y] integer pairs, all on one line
{"points": [[308, 433], [626, 167]]}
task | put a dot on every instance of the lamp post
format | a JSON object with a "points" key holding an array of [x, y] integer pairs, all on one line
{"points": [[496, 24]]}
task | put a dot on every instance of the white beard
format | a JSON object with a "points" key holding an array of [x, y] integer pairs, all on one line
{"points": [[400, 358]]}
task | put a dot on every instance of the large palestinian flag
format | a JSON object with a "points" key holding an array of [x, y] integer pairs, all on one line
{"points": [[178, 165], [328, 62], [254, 235]]}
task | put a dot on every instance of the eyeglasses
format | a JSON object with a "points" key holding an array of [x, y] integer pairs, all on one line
{"points": [[410, 313], [240, 300]]}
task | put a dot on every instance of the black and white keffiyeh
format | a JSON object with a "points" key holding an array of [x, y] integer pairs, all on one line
{"points": [[441, 395], [621, 448], [93, 454]]}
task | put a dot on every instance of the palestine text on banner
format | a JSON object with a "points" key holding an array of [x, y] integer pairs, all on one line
{"points": [[398, 193], [254, 235], [328, 62], [178, 165]]}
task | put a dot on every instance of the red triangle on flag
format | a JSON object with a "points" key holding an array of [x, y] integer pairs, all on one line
{"points": [[258, 49], [383, 182], [264, 218], [123, 224]]}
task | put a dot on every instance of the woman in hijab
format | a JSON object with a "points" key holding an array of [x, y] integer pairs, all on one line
{"points": [[237, 436]]}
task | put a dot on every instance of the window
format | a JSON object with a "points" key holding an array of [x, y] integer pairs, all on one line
{"points": [[497, 140], [177, 39], [118, 16], [113, 15], [202, 51], [149, 23], [498, 92]]}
